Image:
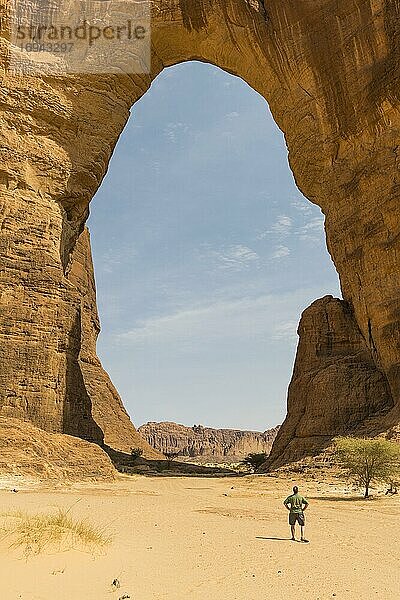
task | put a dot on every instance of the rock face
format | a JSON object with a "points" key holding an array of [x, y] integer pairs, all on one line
{"points": [[94, 409], [335, 385], [205, 441], [26, 451], [330, 72]]}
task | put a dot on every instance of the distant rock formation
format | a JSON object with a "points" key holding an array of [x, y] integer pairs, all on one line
{"points": [[205, 441]]}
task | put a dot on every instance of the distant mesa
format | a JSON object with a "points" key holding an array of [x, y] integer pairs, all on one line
{"points": [[200, 441]]}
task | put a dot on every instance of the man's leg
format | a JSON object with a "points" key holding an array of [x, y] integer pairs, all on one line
{"points": [[302, 525], [293, 528]]}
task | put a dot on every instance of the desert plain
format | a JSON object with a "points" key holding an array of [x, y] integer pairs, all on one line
{"points": [[176, 538]]}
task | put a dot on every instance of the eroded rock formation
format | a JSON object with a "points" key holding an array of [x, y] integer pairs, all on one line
{"points": [[29, 452], [335, 387], [206, 441], [329, 70], [94, 409]]}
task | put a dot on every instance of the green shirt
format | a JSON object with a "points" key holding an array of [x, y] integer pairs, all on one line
{"points": [[296, 502]]}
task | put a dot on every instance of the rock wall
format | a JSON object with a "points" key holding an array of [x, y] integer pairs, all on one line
{"points": [[335, 387], [93, 408], [329, 70], [206, 441]]}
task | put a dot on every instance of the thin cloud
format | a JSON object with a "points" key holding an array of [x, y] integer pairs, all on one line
{"points": [[282, 227], [280, 252], [313, 231], [232, 115], [286, 331], [173, 130], [247, 318], [301, 204], [112, 259], [234, 258]]}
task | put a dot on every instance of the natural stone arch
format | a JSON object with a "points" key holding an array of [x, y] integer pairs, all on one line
{"points": [[329, 71]]}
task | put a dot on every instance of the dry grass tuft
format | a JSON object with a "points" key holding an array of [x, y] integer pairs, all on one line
{"points": [[60, 531]]}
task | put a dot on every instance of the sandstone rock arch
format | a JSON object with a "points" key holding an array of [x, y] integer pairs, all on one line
{"points": [[330, 73]]}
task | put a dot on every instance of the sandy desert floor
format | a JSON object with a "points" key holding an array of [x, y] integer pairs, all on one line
{"points": [[206, 538]]}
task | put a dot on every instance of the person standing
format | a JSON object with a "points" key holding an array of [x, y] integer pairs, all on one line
{"points": [[296, 505]]}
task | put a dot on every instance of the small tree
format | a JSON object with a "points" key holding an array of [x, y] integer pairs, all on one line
{"points": [[136, 453], [368, 460], [171, 456], [255, 460]]}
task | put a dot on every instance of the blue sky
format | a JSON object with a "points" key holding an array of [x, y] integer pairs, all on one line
{"points": [[205, 254]]}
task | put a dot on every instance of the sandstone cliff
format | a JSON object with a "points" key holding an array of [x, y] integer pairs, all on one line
{"points": [[206, 441], [335, 387], [94, 409], [329, 70]]}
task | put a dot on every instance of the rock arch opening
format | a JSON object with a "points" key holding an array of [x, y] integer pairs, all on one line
{"points": [[205, 255]]}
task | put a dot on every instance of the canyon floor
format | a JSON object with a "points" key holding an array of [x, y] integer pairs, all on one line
{"points": [[175, 538]]}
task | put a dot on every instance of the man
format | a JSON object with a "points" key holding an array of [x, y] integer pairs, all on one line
{"points": [[296, 505]]}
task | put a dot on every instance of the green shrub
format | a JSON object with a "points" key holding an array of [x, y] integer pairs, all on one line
{"points": [[161, 466], [367, 460], [170, 457], [136, 453], [255, 460]]}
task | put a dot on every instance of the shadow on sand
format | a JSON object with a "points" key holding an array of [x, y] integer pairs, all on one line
{"points": [[340, 498], [276, 539], [124, 463]]}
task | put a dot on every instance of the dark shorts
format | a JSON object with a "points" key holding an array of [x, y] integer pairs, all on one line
{"points": [[299, 517]]}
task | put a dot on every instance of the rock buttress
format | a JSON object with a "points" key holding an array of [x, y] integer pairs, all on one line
{"points": [[336, 387], [96, 403]]}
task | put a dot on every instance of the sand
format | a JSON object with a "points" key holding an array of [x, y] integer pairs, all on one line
{"points": [[205, 538]]}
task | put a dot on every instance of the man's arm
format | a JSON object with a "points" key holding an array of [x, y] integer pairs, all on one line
{"points": [[286, 503], [305, 502]]}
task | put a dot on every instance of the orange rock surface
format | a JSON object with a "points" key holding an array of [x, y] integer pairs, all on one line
{"points": [[330, 73]]}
